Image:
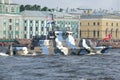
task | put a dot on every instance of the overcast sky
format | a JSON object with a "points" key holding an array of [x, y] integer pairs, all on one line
{"points": [[95, 4]]}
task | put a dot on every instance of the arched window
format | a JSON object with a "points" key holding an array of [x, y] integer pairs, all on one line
{"points": [[107, 24], [111, 24], [88, 24], [10, 27], [10, 20], [94, 24], [94, 32], [98, 23], [117, 33], [116, 24], [106, 32], [98, 33], [111, 30]]}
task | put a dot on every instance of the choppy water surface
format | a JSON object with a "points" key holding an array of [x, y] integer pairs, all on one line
{"points": [[97, 67]]}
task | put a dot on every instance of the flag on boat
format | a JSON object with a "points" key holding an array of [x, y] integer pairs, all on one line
{"points": [[49, 19], [108, 37]]}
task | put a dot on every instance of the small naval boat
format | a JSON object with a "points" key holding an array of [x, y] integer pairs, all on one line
{"points": [[90, 48], [68, 45]]}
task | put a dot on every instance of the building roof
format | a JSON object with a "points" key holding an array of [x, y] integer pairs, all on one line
{"points": [[33, 13], [101, 16], [42, 13], [61, 14], [29, 13]]}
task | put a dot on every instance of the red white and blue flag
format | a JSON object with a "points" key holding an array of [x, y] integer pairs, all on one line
{"points": [[48, 20]]}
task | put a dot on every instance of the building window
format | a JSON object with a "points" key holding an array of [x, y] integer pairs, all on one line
{"points": [[0, 8], [36, 21], [9, 36], [10, 20], [65, 23], [41, 28], [94, 32], [116, 24], [17, 24], [30, 35], [94, 24], [98, 24], [69, 23], [10, 27], [116, 33], [106, 31], [25, 21], [31, 21], [4, 23], [106, 24], [25, 36], [12, 9], [7, 10], [61, 23], [25, 28], [30, 28], [42, 22], [98, 34], [111, 31], [111, 24], [88, 24], [36, 28]]}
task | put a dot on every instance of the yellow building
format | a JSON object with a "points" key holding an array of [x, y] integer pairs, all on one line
{"points": [[98, 26]]}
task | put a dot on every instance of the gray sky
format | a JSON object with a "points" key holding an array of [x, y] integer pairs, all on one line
{"points": [[95, 4]]}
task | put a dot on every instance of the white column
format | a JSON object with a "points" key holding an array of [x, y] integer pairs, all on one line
{"points": [[34, 27], [21, 29], [28, 29], [44, 27], [39, 28], [14, 27]]}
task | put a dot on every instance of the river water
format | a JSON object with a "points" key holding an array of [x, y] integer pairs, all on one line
{"points": [[95, 67]]}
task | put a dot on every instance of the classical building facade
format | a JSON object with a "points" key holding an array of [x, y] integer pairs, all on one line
{"points": [[10, 20], [15, 24], [35, 22], [99, 25]]}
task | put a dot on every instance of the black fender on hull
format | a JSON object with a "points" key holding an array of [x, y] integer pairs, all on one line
{"points": [[83, 51]]}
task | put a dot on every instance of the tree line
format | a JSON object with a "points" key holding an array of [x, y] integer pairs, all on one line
{"points": [[37, 8]]}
